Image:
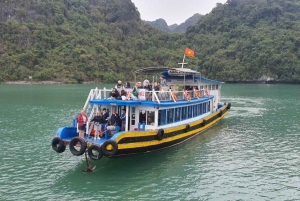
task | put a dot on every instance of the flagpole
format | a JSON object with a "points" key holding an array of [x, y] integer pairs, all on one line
{"points": [[183, 61]]}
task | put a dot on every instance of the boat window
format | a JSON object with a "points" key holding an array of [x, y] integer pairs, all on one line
{"points": [[195, 110], [213, 87], [170, 115], [150, 117], [217, 87], [183, 113], [208, 107], [177, 114], [161, 117], [190, 111]]}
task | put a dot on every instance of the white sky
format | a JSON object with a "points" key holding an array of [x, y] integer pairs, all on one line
{"points": [[174, 11]]}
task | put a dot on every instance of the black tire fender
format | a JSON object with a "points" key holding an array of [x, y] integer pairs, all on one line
{"points": [[228, 106], [112, 151], [58, 145], [220, 113], [96, 148], [74, 142], [160, 134], [203, 122], [187, 127]]}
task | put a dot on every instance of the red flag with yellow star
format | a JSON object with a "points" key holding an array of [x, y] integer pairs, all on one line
{"points": [[189, 52]]}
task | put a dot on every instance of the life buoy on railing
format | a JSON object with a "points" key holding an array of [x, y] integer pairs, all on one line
{"points": [[206, 92], [109, 147], [58, 145], [198, 93], [174, 96], [220, 113], [95, 148], [187, 95], [160, 134], [81, 143]]}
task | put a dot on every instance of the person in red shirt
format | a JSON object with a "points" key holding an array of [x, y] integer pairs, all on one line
{"points": [[82, 119]]}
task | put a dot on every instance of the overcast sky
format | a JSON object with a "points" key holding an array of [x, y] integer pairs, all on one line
{"points": [[174, 11]]}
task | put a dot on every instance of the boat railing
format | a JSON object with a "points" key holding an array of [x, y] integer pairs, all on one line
{"points": [[156, 96]]}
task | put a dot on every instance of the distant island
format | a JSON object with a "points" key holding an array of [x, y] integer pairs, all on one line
{"points": [[161, 24]]}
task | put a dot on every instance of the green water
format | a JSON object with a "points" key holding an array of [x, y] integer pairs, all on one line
{"points": [[252, 154]]}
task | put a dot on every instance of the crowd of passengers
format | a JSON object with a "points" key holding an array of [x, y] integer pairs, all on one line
{"points": [[119, 91]]}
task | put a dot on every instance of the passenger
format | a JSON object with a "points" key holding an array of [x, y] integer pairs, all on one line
{"points": [[97, 125], [114, 121], [149, 121], [127, 86], [135, 92], [163, 82], [115, 94], [142, 117], [156, 87], [147, 86], [115, 118], [123, 93], [82, 119], [104, 119], [146, 81], [140, 85], [119, 85], [123, 119]]}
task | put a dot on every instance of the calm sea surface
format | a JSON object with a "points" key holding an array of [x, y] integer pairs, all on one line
{"points": [[252, 154]]}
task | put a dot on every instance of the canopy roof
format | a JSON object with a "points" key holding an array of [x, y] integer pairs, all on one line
{"points": [[157, 69]]}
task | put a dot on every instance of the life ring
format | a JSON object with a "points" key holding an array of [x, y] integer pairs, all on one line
{"points": [[228, 106], [204, 122], [206, 92], [174, 96], [220, 113], [187, 127], [187, 95], [58, 145], [97, 148], [160, 134], [73, 144], [198, 93], [109, 147]]}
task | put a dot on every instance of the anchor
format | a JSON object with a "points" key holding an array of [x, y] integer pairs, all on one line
{"points": [[88, 166]]}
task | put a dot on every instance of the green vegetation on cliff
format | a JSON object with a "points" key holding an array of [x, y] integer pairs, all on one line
{"points": [[105, 40]]}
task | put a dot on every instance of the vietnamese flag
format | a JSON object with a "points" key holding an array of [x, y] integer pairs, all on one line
{"points": [[189, 52]]}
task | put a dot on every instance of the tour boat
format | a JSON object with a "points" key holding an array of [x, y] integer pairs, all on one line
{"points": [[184, 107]]}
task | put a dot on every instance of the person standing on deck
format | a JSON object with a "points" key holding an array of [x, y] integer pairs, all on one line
{"points": [[123, 120], [82, 119], [104, 119], [97, 125], [163, 82]]}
